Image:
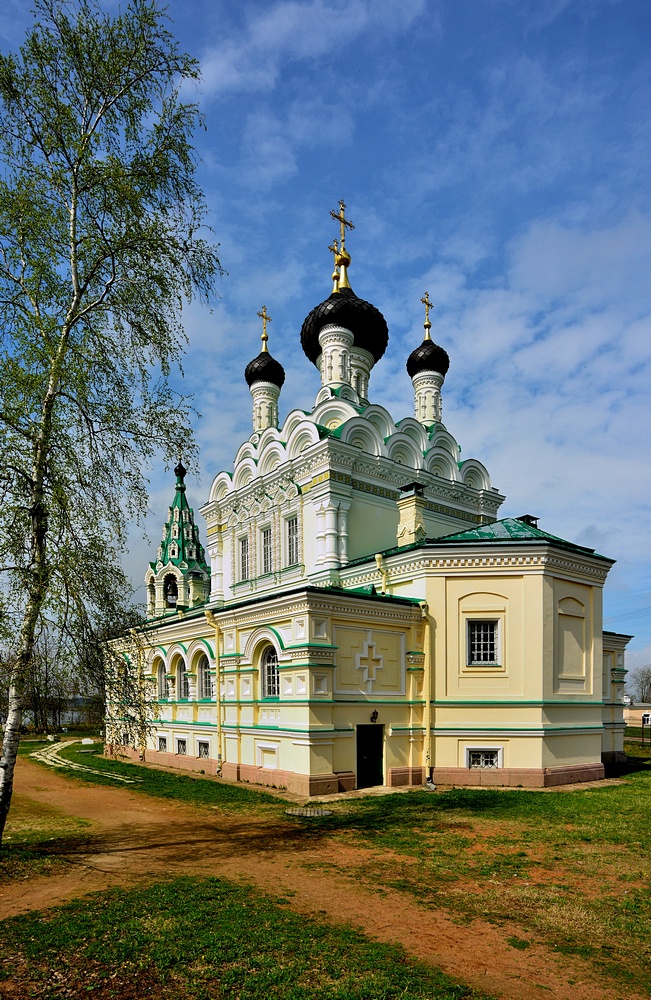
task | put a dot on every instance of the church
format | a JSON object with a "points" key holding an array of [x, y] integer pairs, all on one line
{"points": [[360, 614]]}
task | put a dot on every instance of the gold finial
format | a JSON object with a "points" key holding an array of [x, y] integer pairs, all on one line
{"points": [[342, 257], [334, 249], [428, 326], [264, 336]]}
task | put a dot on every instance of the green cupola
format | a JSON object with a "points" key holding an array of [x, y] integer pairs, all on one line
{"points": [[180, 577]]}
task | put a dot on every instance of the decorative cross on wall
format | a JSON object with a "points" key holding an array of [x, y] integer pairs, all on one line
{"points": [[369, 662]]}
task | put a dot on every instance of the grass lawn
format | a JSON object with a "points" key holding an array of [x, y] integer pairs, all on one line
{"points": [[36, 840], [204, 939], [569, 870]]}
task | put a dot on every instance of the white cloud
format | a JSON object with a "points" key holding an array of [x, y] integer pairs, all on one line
{"points": [[293, 31]]}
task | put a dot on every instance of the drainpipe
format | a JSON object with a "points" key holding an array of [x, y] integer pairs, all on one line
{"points": [[382, 570], [218, 688], [427, 691]]}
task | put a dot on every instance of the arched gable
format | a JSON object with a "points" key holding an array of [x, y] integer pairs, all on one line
{"points": [[221, 485], [360, 433], [302, 437], [381, 420], [474, 474]]}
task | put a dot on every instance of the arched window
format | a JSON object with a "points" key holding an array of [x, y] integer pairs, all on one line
{"points": [[163, 683], [182, 682], [171, 591], [205, 680], [270, 679]]}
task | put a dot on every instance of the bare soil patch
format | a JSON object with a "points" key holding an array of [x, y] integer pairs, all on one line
{"points": [[140, 839]]}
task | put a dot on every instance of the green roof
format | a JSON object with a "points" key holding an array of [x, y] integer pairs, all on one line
{"points": [[512, 529]]}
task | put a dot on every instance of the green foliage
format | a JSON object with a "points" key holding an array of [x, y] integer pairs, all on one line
{"points": [[101, 241], [201, 939]]}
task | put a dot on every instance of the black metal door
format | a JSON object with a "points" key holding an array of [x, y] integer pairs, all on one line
{"points": [[370, 756]]}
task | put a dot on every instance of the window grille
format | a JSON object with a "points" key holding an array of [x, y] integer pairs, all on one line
{"points": [[244, 559], [266, 551], [162, 743], [292, 541], [483, 759], [482, 642], [270, 677], [181, 747], [204, 749]]}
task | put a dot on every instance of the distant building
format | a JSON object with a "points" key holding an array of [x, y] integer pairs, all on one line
{"points": [[365, 618]]}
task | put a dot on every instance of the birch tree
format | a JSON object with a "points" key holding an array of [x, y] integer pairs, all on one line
{"points": [[101, 241]]}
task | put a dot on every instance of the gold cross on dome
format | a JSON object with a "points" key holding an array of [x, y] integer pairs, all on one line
{"points": [[266, 318], [340, 217], [426, 302]]}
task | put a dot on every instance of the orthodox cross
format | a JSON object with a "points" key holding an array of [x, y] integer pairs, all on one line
{"points": [[266, 318], [369, 662], [340, 217], [428, 326]]}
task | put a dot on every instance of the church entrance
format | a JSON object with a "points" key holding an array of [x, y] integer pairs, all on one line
{"points": [[370, 756]]}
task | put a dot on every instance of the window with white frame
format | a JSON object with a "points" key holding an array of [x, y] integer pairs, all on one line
{"points": [[244, 559], [267, 558], [270, 676], [293, 555], [181, 747], [205, 679], [203, 749], [483, 642], [163, 683], [182, 681], [162, 743]]}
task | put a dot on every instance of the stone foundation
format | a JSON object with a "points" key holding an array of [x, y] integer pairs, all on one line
{"points": [[544, 777], [400, 776]]}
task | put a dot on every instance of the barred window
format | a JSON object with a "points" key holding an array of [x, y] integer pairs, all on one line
{"points": [[292, 541], [483, 759], [162, 743], [244, 559], [181, 747], [482, 643], [204, 750], [270, 677], [266, 550]]}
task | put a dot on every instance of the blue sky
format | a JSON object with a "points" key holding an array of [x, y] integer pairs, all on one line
{"points": [[494, 152]]}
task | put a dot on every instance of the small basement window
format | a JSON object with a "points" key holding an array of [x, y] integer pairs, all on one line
{"points": [[480, 759], [204, 750], [181, 747], [162, 743]]}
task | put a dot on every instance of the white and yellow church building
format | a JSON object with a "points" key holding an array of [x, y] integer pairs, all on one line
{"points": [[360, 615]]}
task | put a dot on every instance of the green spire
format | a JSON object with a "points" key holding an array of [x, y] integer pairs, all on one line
{"points": [[180, 544]]}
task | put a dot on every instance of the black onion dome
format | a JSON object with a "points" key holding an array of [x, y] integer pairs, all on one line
{"points": [[264, 368], [365, 322], [429, 357]]}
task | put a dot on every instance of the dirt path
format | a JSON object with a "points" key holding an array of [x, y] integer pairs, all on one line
{"points": [[141, 838]]}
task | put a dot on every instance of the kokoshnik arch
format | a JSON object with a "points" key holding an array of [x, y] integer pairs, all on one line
{"points": [[364, 617]]}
